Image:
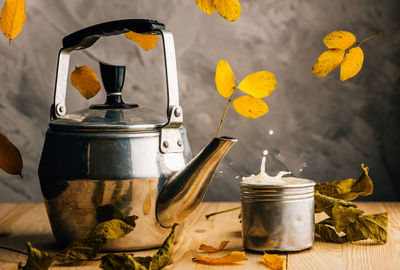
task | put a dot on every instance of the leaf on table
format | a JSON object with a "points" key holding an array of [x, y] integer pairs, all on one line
{"points": [[146, 41], [206, 5], [259, 84], [352, 63], [85, 80], [372, 227], [325, 203], [348, 189], [13, 18], [162, 258], [224, 79], [211, 249], [274, 262], [231, 258], [88, 245], [328, 234], [123, 262], [347, 218], [228, 9], [37, 259], [250, 107], [328, 61], [10, 157], [339, 40]]}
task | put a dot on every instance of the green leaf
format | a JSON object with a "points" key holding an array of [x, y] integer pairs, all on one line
{"points": [[162, 258], [325, 203], [122, 262], [372, 227], [348, 189], [37, 260], [87, 246], [328, 234]]}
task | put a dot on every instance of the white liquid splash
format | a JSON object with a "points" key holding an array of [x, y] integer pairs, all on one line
{"points": [[263, 178]]}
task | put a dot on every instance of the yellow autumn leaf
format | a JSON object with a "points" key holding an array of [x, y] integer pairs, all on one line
{"points": [[352, 63], [85, 80], [146, 41], [10, 157], [206, 5], [224, 79], [13, 17], [250, 107], [228, 9], [211, 249], [259, 84], [328, 61], [339, 40], [231, 258], [274, 262]]}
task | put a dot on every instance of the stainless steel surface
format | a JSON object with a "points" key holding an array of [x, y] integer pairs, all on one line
{"points": [[136, 119], [98, 162], [278, 217], [184, 191], [58, 108], [83, 172]]}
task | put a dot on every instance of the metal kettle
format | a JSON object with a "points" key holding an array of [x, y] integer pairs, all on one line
{"points": [[122, 157]]}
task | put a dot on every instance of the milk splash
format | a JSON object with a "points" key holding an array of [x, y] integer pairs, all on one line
{"points": [[263, 178]]}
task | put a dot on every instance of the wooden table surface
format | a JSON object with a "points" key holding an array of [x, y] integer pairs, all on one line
{"points": [[28, 222]]}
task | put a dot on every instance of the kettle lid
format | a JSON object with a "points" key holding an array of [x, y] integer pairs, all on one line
{"points": [[114, 114]]}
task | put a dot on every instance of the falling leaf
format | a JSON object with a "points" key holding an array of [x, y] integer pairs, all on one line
{"points": [[210, 249], [88, 245], [274, 262], [224, 79], [352, 63], [85, 80], [339, 40], [37, 260], [259, 84], [10, 157], [327, 62], [347, 189], [13, 17], [162, 258], [146, 41], [206, 5], [231, 258], [228, 9], [250, 107]]}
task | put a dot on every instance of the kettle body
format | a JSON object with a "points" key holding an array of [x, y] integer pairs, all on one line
{"points": [[86, 176]]}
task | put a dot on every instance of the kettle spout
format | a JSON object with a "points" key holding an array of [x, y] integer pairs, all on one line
{"points": [[185, 190]]}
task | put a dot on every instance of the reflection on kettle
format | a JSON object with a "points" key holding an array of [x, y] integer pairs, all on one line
{"points": [[117, 159]]}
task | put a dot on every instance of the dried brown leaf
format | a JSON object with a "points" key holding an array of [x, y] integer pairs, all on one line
{"points": [[210, 249]]}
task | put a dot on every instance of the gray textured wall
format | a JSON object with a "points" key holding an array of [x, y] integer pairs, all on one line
{"points": [[323, 128]]}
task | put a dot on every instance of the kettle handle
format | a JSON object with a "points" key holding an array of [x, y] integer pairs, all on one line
{"points": [[170, 139]]}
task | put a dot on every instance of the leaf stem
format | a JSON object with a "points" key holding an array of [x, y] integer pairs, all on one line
{"points": [[221, 212], [223, 116], [368, 38]]}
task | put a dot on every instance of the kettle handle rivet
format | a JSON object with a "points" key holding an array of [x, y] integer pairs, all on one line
{"points": [[165, 144], [178, 112], [179, 142]]}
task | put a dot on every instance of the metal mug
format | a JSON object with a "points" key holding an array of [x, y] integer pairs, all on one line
{"points": [[278, 217]]}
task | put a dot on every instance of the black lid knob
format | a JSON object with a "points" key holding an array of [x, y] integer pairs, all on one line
{"points": [[113, 78]]}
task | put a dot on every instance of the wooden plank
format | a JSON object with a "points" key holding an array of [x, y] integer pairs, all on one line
{"points": [[28, 222], [359, 255]]}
